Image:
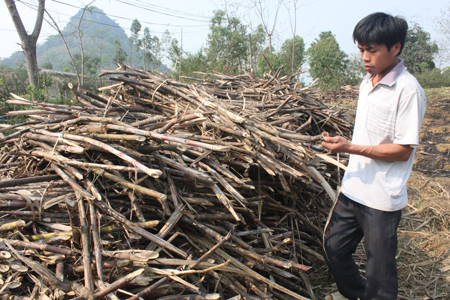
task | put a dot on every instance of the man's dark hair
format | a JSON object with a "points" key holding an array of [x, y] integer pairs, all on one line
{"points": [[380, 28]]}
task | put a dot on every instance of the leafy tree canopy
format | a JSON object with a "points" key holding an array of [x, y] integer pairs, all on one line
{"points": [[283, 58], [91, 64], [193, 62], [227, 43], [327, 62], [293, 53], [419, 50], [355, 70], [275, 60], [121, 55]]}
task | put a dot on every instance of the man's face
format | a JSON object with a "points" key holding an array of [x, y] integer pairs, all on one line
{"points": [[377, 59]]}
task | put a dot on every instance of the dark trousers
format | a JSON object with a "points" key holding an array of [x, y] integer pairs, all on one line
{"points": [[349, 222]]}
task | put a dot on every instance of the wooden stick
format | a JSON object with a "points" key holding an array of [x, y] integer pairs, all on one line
{"points": [[160, 242], [118, 283], [88, 281], [150, 172]]}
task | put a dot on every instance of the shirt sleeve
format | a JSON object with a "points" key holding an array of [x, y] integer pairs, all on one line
{"points": [[410, 114]]}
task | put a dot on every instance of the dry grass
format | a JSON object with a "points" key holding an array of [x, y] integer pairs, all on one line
{"points": [[424, 241]]}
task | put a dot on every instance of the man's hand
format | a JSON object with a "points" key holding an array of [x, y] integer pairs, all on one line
{"points": [[385, 152], [335, 144]]}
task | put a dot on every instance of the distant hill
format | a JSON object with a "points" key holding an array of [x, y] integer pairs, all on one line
{"points": [[99, 35]]}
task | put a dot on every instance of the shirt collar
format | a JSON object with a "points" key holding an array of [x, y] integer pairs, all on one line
{"points": [[391, 77]]}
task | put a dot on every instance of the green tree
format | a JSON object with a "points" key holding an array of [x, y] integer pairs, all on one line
{"points": [[257, 39], [134, 38], [121, 55], [419, 50], [227, 43], [355, 70], [174, 54], [194, 62], [151, 49], [91, 64], [104, 48], [434, 78], [326, 61], [166, 40], [275, 60], [284, 58], [20, 70], [146, 43], [295, 60], [47, 65]]}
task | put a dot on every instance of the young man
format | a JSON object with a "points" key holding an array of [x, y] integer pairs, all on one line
{"points": [[390, 111]]}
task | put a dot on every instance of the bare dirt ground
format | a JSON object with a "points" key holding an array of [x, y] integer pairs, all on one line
{"points": [[424, 239]]}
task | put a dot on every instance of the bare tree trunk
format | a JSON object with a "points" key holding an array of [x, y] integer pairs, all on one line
{"points": [[81, 51], [28, 41], [293, 29], [293, 36]]}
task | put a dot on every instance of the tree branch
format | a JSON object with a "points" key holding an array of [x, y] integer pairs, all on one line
{"points": [[17, 21], [39, 19]]}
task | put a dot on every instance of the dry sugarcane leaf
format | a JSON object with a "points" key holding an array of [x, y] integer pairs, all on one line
{"points": [[69, 199], [144, 256], [141, 280], [27, 195], [51, 259]]}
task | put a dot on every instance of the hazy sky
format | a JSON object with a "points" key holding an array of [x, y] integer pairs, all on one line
{"points": [[192, 16]]}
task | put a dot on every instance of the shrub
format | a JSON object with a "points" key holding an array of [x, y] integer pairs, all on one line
{"points": [[434, 78]]}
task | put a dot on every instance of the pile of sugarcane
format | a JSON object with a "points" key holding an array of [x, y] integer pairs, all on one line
{"points": [[158, 189]]}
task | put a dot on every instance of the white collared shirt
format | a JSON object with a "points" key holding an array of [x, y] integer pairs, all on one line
{"points": [[392, 111]]}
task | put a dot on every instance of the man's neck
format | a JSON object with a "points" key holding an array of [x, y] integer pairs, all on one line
{"points": [[377, 77]]}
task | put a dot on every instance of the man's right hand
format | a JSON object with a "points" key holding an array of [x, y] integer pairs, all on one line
{"points": [[385, 152], [335, 144]]}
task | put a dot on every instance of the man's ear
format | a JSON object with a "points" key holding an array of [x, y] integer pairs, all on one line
{"points": [[396, 48]]}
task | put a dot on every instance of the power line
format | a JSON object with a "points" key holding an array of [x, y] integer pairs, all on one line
{"points": [[34, 7], [124, 18], [167, 14], [110, 25], [171, 10], [6, 29]]}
